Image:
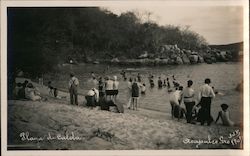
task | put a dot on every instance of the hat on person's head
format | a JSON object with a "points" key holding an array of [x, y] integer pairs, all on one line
{"points": [[224, 106], [72, 74], [115, 78]]}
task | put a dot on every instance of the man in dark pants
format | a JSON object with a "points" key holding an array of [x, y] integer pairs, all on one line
{"points": [[206, 94], [188, 98], [73, 85]]}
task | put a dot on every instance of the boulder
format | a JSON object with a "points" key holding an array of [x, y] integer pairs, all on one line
{"points": [[115, 60], [213, 59], [164, 61], [173, 56], [223, 56], [193, 59], [194, 53], [200, 59], [185, 59], [188, 52], [178, 60], [171, 61], [144, 55]]}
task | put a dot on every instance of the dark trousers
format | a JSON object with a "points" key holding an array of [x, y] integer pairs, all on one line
{"points": [[189, 108], [73, 96], [90, 101], [206, 110]]}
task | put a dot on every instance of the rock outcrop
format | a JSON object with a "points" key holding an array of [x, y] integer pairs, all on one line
{"points": [[173, 55]]}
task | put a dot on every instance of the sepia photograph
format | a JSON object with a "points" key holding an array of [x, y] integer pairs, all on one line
{"points": [[124, 76]]}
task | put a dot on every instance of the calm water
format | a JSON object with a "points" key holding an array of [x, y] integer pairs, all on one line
{"points": [[224, 77]]}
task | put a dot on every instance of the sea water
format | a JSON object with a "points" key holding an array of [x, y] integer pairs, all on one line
{"points": [[224, 76]]}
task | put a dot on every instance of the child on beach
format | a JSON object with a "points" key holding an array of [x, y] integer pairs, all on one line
{"points": [[224, 115]]}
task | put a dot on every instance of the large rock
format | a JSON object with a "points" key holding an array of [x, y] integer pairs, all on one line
{"points": [[144, 55], [173, 56], [185, 59], [194, 53], [200, 59], [223, 55], [188, 52], [163, 61], [193, 59], [178, 60], [171, 61], [115, 60]]}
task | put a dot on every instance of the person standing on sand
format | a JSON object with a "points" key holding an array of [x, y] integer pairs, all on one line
{"points": [[115, 87], [73, 87], [205, 96], [135, 95], [188, 99], [129, 92], [109, 88]]}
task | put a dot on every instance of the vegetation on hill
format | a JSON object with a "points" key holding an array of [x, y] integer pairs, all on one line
{"points": [[40, 38]]}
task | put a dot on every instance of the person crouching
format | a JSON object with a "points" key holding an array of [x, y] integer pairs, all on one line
{"points": [[92, 97]]}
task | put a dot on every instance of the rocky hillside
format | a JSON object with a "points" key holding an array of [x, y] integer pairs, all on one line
{"points": [[173, 55]]}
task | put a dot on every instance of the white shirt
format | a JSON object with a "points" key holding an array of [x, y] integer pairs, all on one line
{"points": [[91, 93], [206, 91], [73, 80], [115, 85], [143, 88], [188, 94], [109, 85], [175, 96]]}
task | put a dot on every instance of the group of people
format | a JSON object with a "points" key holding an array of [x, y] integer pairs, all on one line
{"points": [[105, 96], [197, 110], [27, 91]]}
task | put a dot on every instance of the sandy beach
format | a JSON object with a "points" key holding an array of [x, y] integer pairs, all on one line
{"points": [[55, 124]]}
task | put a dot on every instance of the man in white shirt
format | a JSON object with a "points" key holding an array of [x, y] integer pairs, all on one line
{"points": [[109, 88], [205, 95], [188, 99], [73, 85]]}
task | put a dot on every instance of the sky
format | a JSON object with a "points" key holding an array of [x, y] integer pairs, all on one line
{"points": [[217, 24]]}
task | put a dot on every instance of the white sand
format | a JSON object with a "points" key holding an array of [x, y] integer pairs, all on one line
{"points": [[131, 130]]}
